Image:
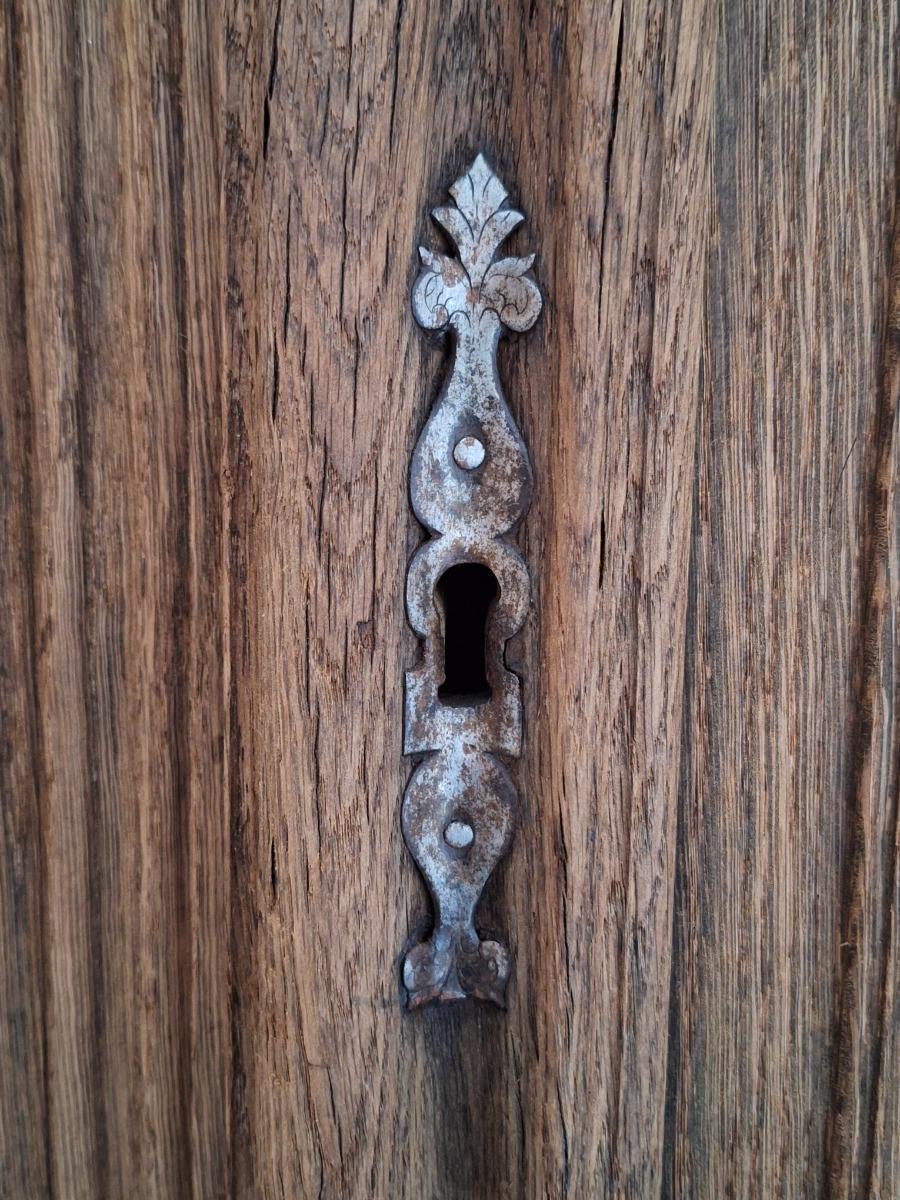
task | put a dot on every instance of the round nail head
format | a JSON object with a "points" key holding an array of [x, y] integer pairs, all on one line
{"points": [[468, 453], [459, 835]]}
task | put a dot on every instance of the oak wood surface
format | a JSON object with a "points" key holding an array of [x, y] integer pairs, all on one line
{"points": [[210, 387]]}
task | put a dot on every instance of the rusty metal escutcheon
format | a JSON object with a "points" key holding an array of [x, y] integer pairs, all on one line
{"points": [[470, 484]]}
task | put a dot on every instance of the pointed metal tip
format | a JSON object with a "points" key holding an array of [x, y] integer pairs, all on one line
{"points": [[481, 168]]}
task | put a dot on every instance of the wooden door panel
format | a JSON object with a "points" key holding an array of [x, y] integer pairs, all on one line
{"points": [[211, 386]]}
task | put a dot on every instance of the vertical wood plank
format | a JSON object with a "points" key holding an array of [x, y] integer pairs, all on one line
{"points": [[613, 433], [24, 1120], [862, 1112], [114, 352], [48, 373], [883, 1104], [787, 838], [344, 126]]}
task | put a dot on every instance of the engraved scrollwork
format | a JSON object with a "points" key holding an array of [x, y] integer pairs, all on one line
{"points": [[473, 284]]}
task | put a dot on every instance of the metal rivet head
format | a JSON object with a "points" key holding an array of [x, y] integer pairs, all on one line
{"points": [[459, 835], [468, 453]]}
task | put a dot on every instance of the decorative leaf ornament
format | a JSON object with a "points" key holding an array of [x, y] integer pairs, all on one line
{"points": [[473, 284]]}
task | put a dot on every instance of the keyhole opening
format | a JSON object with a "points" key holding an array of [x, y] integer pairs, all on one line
{"points": [[465, 593]]}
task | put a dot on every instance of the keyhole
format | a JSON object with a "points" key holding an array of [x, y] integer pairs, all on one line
{"points": [[465, 593]]}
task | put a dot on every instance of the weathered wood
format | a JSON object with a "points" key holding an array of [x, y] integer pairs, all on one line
{"points": [[782, 972], [116, 829], [210, 386]]}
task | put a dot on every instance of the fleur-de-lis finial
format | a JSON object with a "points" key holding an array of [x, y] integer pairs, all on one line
{"points": [[474, 283]]}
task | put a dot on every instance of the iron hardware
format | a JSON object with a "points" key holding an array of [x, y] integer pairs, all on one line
{"points": [[467, 593]]}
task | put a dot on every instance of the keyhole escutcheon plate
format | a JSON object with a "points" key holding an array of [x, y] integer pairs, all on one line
{"points": [[467, 593]]}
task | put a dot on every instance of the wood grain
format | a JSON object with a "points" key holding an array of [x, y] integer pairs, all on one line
{"points": [[116, 833], [787, 845], [210, 387]]}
